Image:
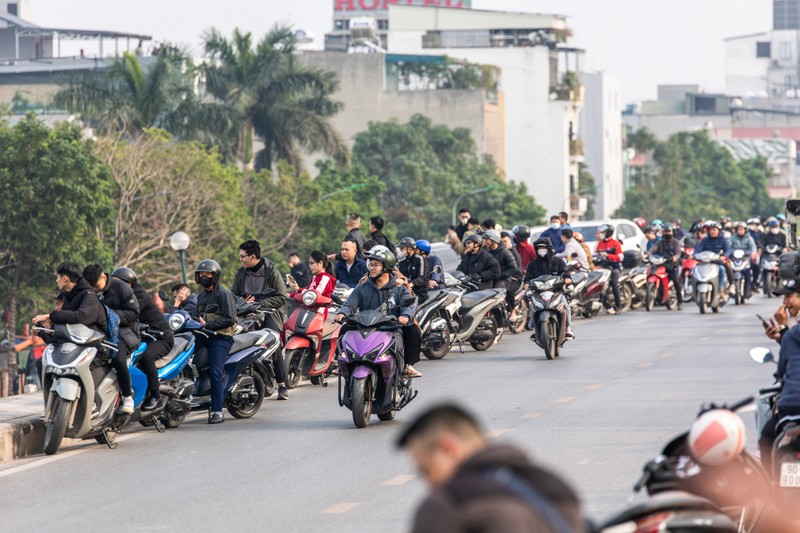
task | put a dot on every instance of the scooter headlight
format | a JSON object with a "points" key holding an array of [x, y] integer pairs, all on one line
{"points": [[176, 321], [309, 297], [546, 296]]}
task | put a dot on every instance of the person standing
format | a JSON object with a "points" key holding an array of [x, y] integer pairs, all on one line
{"points": [[216, 307], [353, 225], [299, 270], [609, 252], [481, 486], [463, 223], [554, 234], [258, 280], [377, 238], [350, 268]]}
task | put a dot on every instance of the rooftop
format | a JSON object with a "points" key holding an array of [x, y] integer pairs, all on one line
{"points": [[409, 18]]}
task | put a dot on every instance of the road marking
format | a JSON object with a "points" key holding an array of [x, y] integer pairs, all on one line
{"points": [[341, 508], [496, 433], [565, 399], [644, 365], [398, 480], [531, 416], [594, 386], [621, 375], [667, 354], [705, 338]]}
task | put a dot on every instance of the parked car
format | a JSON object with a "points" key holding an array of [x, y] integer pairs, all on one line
{"points": [[625, 231]]}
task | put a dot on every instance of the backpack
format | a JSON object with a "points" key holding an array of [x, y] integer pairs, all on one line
{"points": [[112, 325]]}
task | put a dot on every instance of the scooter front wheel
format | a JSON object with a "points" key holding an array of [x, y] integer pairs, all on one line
{"points": [[361, 401], [57, 426], [294, 367]]}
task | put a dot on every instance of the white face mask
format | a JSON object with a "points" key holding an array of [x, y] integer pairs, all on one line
{"points": [[775, 231], [555, 225], [542, 252], [401, 255], [464, 220]]}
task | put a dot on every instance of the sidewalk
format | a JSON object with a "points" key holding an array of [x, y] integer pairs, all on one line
{"points": [[21, 430]]}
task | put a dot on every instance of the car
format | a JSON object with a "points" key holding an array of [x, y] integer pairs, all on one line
{"points": [[625, 231], [450, 259]]}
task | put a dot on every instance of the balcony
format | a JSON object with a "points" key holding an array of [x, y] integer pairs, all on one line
{"points": [[576, 150], [569, 89]]}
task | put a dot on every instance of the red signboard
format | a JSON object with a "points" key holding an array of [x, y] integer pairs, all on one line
{"points": [[371, 8]]}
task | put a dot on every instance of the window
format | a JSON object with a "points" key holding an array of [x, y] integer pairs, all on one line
{"points": [[786, 51], [764, 50], [626, 230]]}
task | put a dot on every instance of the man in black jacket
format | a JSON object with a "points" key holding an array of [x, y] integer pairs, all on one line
{"points": [[510, 277], [184, 300], [478, 264], [547, 264], [118, 297], [376, 236], [414, 267], [157, 327], [299, 270]]}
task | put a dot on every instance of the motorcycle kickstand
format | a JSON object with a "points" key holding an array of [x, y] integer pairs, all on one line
{"points": [[461, 346], [158, 425], [112, 445], [322, 381]]}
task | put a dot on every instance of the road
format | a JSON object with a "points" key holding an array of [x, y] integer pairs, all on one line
{"points": [[621, 390]]}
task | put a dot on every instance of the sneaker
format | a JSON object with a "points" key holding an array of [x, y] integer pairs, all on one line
{"points": [[151, 403], [533, 336], [127, 405], [411, 372], [283, 392], [216, 418], [569, 335], [611, 311], [680, 306]]}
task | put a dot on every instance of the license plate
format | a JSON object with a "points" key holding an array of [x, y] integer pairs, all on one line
{"points": [[790, 475]]}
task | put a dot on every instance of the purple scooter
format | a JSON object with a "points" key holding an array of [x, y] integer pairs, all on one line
{"points": [[370, 378]]}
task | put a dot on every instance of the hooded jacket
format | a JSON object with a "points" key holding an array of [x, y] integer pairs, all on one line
{"points": [[483, 266], [473, 501], [119, 297], [271, 280], [82, 306], [719, 245], [150, 314], [368, 297], [508, 266]]}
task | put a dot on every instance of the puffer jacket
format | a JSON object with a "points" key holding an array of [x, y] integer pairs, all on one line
{"points": [[368, 297]]}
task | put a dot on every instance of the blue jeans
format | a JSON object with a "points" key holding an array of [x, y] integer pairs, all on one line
{"points": [[218, 348], [722, 277]]}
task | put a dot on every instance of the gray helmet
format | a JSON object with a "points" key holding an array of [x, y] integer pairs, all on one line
{"points": [[607, 230], [407, 242], [125, 274], [493, 235], [208, 265], [474, 237], [384, 255]]}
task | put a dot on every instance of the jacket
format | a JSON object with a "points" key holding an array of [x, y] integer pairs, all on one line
{"points": [[354, 275], [758, 236], [771, 238], [517, 258], [224, 320], [473, 501], [508, 267], [720, 245], [368, 297], [189, 305], [668, 248], [415, 269], [301, 274], [438, 277], [789, 370], [119, 297], [574, 250], [82, 306], [613, 248], [548, 266], [272, 280], [746, 243], [324, 284], [526, 253], [358, 236], [381, 240], [555, 237], [482, 266], [150, 314]]}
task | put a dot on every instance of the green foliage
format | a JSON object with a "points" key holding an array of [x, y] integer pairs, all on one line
{"points": [[693, 177], [450, 74], [55, 206]]}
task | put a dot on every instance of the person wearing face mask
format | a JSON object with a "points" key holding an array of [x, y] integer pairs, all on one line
{"points": [[414, 267], [774, 235], [478, 264], [741, 240], [554, 234], [463, 222], [755, 231], [672, 249], [547, 264], [717, 243], [609, 255]]}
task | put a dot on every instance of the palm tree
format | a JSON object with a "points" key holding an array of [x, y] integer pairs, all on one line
{"points": [[286, 105]]}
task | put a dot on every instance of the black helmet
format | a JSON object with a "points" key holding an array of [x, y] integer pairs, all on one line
{"points": [[208, 265], [668, 227], [407, 242], [384, 255], [474, 237], [521, 232], [543, 243], [125, 274], [607, 230]]}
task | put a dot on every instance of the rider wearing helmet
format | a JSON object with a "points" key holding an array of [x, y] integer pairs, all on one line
{"points": [[547, 264], [381, 288], [414, 267], [510, 274], [742, 240], [434, 265], [657, 226], [672, 249], [478, 264], [609, 252], [221, 320], [717, 243], [774, 235], [641, 222], [522, 235]]}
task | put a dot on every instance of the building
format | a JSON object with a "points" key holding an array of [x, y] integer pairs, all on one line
{"points": [[786, 14], [601, 130], [540, 80]]}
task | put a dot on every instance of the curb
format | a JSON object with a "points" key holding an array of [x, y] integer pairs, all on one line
{"points": [[21, 438]]}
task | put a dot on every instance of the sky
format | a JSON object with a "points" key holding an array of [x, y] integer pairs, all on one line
{"points": [[643, 42]]}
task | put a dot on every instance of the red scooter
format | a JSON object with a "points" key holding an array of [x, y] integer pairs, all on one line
{"points": [[659, 289], [310, 340], [689, 262]]}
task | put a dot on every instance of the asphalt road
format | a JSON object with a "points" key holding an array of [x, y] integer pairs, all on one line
{"points": [[618, 393]]}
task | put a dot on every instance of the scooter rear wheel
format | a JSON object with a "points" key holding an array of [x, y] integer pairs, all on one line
{"points": [[250, 408]]}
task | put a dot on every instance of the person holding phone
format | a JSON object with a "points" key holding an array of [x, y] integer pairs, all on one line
{"points": [[322, 281]]}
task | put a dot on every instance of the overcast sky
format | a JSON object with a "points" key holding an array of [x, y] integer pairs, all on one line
{"points": [[643, 42]]}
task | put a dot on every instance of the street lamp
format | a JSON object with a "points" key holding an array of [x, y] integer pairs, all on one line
{"points": [[341, 191], [180, 242], [473, 191]]}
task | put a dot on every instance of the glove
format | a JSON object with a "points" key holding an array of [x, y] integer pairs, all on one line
{"points": [[475, 278]]}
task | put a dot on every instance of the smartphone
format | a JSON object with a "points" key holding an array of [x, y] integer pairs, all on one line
{"points": [[764, 322]]}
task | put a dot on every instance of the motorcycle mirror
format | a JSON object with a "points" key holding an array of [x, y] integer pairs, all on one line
{"points": [[762, 355]]}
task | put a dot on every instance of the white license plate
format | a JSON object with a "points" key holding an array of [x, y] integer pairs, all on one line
{"points": [[790, 475]]}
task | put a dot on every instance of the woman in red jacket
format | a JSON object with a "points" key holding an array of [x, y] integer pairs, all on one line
{"points": [[609, 252], [322, 281]]}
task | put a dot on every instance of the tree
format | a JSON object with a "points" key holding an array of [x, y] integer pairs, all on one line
{"points": [[272, 97]]}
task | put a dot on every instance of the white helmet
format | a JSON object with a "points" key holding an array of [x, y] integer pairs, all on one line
{"points": [[716, 437]]}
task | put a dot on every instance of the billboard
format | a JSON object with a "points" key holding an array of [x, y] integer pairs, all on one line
{"points": [[380, 8]]}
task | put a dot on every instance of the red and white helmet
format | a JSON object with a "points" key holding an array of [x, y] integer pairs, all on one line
{"points": [[716, 437]]}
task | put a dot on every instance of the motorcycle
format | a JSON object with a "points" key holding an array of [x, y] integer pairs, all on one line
{"points": [[549, 317], [80, 401], [705, 280], [310, 339], [786, 449], [625, 289], [659, 288], [587, 291], [637, 281], [770, 260], [740, 264], [371, 368], [521, 311], [688, 264]]}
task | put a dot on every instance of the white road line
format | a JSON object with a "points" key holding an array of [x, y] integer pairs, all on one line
{"points": [[496, 433], [341, 508], [531, 416], [565, 399], [594, 386], [398, 480]]}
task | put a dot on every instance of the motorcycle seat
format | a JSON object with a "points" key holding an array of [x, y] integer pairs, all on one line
{"points": [[662, 502], [471, 299], [244, 340], [329, 326], [180, 345]]}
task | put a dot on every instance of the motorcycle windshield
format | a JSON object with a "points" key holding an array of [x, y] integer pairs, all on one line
{"points": [[544, 283], [78, 334], [372, 319], [706, 257]]}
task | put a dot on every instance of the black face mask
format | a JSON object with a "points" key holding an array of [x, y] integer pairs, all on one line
{"points": [[667, 235], [206, 282]]}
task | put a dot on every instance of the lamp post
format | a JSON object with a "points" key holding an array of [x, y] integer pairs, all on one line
{"points": [[473, 191], [179, 242], [341, 191]]}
